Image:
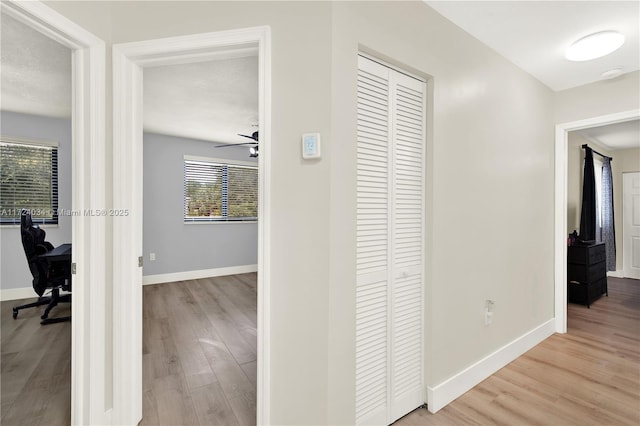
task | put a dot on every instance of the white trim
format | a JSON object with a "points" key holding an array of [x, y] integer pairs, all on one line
{"points": [[560, 233], [442, 394], [196, 275], [615, 274], [214, 160], [127, 240], [17, 293], [128, 61], [23, 293], [88, 337], [390, 65]]}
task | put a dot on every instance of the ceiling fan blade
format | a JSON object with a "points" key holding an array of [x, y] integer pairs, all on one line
{"points": [[253, 136], [236, 144]]}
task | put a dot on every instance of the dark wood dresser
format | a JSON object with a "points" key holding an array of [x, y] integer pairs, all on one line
{"points": [[586, 273]]}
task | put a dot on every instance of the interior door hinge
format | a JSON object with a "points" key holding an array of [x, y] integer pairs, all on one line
{"points": [[140, 261], [73, 268]]}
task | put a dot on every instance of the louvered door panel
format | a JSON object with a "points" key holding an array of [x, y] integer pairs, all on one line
{"points": [[372, 245], [389, 256], [408, 134]]}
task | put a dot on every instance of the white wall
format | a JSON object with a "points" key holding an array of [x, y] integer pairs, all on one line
{"points": [[301, 86], [490, 171], [181, 247], [14, 269], [600, 98], [490, 191]]}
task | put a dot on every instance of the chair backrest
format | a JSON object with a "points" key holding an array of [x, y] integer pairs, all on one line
{"points": [[34, 244]]}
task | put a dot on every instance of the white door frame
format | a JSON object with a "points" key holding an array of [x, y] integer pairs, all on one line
{"points": [[627, 250], [560, 240], [88, 402], [129, 59]]}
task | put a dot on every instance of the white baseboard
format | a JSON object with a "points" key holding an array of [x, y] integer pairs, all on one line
{"points": [[22, 293], [442, 394], [17, 293], [27, 292], [616, 274], [194, 275]]}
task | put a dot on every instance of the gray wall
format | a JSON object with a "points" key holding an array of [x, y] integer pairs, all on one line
{"points": [[14, 272], [178, 246]]}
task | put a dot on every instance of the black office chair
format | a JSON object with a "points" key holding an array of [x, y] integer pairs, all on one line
{"points": [[45, 276]]}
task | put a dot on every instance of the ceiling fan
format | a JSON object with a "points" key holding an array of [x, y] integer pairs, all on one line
{"points": [[253, 151]]}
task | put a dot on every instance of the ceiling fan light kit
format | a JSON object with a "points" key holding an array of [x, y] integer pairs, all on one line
{"points": [[594, 46]]}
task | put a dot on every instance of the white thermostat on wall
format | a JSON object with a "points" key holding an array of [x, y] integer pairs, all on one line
{"points": [[310, 145]]}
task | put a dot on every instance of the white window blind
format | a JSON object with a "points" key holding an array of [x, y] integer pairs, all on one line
{"points": [[216, 191], [28, 180]]}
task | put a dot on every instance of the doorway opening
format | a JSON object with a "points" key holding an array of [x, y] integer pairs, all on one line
{"points": [[561, 202], [200, 240], [90, 402], [129, 61]]}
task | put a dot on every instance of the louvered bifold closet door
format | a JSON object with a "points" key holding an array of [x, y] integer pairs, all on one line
{"points": [[390, 216], [372, 244], [407, 347]]}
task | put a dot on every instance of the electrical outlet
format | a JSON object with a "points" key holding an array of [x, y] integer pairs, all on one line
{"points": [[488, 312], [152, 256]]}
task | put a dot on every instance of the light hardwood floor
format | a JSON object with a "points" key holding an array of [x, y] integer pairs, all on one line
{"points": [[35, 370], [199, 352], [200, 364], [589, 376]]}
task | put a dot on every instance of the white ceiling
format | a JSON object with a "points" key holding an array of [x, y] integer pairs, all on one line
{"points": [[35, 72], [534, 34], [212, 101], [215, 100], [614, 136]]}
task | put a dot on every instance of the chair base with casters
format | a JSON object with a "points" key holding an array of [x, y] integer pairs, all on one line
{"points": [[51, 302]]}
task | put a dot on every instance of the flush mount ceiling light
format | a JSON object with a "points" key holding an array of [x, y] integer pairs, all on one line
{"points": [[594, 46]]}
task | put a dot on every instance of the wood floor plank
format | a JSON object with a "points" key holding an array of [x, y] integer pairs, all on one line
{"points": [[239, 308], [43, 381], [251, 371], [212, 407], [195, 365], [224, 324], [173, 403]]}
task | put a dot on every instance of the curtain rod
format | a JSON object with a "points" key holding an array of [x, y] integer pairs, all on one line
{"points": [[596, 152]]}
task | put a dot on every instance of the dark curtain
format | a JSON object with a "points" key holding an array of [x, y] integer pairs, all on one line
{"points": [[588, 214], [608, 228]]}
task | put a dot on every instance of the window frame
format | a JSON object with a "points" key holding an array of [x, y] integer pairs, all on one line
{"points": [[55, 181], [209, 219]]}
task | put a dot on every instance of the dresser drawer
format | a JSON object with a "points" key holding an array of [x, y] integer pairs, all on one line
{"points": [[586, 255], [586, 293], [586, 273]]}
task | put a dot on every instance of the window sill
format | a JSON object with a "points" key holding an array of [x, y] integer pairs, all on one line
{"points": [[221, 222]]}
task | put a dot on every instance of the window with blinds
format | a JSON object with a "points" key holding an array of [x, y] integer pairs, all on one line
{"points": [[220, 192], [28, 180]]}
